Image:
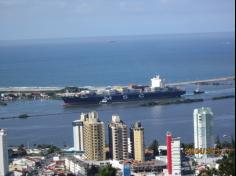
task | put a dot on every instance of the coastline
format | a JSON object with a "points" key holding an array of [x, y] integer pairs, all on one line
{"points": [[12, 89], [32, 93]]}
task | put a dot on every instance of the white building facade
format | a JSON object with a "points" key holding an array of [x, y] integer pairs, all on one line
{"points": [[203, 135], [78, 134], [176, 156], [3, 153]]}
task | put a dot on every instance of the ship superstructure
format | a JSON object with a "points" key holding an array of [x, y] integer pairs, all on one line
{"points": [[156, 91]]}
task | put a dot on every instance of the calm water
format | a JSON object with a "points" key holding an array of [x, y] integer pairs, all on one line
{"points": [[57, 129], [112, 61], [116, 60]]}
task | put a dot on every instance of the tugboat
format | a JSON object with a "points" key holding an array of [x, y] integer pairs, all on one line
{"points": [[198, 91]]}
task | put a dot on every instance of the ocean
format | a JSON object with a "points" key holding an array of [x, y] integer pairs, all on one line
{"points": [[104, 61]]}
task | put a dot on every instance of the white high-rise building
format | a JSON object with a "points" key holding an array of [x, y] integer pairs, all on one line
{"points": [[203, 135], [173, 155], [176, 156], [78, 132], [3, 153]]}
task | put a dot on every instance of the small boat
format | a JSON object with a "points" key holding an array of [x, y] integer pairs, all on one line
{"points": [[198, 91], [103, 101]]}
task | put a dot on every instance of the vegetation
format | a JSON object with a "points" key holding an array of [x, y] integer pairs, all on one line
{"points": [[187, 146], [225, 144], [51, 148], [218, 142], [226, 166], [20, 152], [154, 147], [92, 171], [208, 172], [107, 170], [227, 163]]}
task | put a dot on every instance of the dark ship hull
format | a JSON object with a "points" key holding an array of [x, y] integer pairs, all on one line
{"points": [[103, 99]]}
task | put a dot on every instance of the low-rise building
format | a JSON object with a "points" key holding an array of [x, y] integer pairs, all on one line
{"points": [[148, 167], [78, 165]]}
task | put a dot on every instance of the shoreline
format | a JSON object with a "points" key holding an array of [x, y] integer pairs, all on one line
{"points": [[8, 94], [24, 89]]}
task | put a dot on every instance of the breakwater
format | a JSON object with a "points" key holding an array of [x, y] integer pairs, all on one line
{"points": [[56, 89]]}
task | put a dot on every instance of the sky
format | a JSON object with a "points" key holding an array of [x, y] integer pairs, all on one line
{"points": [[38, 19]]}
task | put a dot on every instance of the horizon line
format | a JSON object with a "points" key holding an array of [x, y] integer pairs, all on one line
{"points": [[108, 36]]}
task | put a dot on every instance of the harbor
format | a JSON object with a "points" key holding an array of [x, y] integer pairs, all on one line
{"points": [[117, 88], [33, 93], [49, 120], [56, 89]]}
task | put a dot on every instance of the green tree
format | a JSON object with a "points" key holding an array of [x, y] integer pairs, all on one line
{"points": [[208, 172], [227, 164], [232, 142], [218, 142], [154, 147], [107, 170], [187, 146], [92, 171], [53, 149]]}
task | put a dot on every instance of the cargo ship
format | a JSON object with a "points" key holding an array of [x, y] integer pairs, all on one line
{"points": [[156, 91]]}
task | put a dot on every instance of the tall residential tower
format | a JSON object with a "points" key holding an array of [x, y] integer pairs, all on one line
{"points": [[94, 137], [137, 141], [118, 139], [173, 155], [203, 136]]}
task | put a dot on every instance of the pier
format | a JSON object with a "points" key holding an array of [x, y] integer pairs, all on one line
{"points": [[202, 81]]}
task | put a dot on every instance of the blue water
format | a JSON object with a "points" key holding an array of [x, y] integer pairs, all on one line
{"points": [[116, 60], [112, 61], [156, 120]]}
